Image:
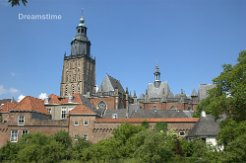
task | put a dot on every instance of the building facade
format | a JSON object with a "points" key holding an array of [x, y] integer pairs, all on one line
{"points": [[84, 120]]}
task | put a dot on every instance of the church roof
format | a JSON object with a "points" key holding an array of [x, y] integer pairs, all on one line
{"points": [[158, 92], [142, 113], [110, 84], [150, 120]]}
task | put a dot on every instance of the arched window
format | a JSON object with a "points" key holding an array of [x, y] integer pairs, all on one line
{"points": [[173, 108], [66, 90], [73, 88], [102, 105]]}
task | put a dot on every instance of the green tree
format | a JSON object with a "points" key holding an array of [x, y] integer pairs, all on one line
{"points": [[9, 151], [17, 2], [161, 127], [229, 95]]}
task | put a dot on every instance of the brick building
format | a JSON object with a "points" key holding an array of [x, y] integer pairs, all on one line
{"points": [[84, 120]]}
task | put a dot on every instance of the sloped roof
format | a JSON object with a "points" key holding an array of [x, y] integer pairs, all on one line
{"points": [[110, 84], [31, 104], [5, 100], [194, 93], [54, 99], [7, 106], [82, 110], [150, 120], [142, 113], [121, 113], [207, 126]]}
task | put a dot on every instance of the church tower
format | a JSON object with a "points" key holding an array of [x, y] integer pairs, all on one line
{"points": [[78, 74]]}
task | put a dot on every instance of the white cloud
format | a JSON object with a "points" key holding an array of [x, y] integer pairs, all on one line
{"points": [[20, 97], [43, 96], [2, 90], [13, 90], [10, 91]]}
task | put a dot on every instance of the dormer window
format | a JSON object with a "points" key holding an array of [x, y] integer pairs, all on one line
{"points": [[21, 120]]}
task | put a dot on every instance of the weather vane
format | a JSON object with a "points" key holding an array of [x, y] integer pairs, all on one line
{"points": [[82, 11]]}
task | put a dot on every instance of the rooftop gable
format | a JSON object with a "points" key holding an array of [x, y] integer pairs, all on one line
{"points": [[31, 104], [110, 84], [82, 110]]}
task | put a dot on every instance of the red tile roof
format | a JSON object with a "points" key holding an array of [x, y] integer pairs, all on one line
{"points": [[7, 106], [150, 120], [54, 99], [31, 104], [81, 110]]}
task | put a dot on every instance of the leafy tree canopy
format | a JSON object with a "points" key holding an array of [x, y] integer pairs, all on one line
{"points": [[229, 95], [17, 2]]}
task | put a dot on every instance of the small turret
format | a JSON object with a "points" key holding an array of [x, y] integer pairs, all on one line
{"points": [[157, 75]]}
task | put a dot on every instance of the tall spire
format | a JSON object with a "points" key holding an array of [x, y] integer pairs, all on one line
{"points": [[157, 75], [80, 44]]}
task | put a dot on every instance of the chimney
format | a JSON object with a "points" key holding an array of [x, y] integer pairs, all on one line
{"points": [[203, 114]]}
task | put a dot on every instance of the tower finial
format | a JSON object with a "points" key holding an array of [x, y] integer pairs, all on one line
{"points": [[82, 11]]}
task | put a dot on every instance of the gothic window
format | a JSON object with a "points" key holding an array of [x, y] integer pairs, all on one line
{"points": [[102, 105], [67, 76], [63, 113], [14, 136], [173, 108], [73, 89], [82, 30], [78, 88], [21, 120], [66, 90]]}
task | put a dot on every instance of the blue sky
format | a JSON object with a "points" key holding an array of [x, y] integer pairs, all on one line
{"points": [[189, 39]]}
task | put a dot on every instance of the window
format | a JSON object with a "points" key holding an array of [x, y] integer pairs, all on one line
{"points": [[49, 110], [85, 122], [86, 137], [182, 133], [14, 136], [76, 123], [25, 132], [21, 120], [63, 113]]}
